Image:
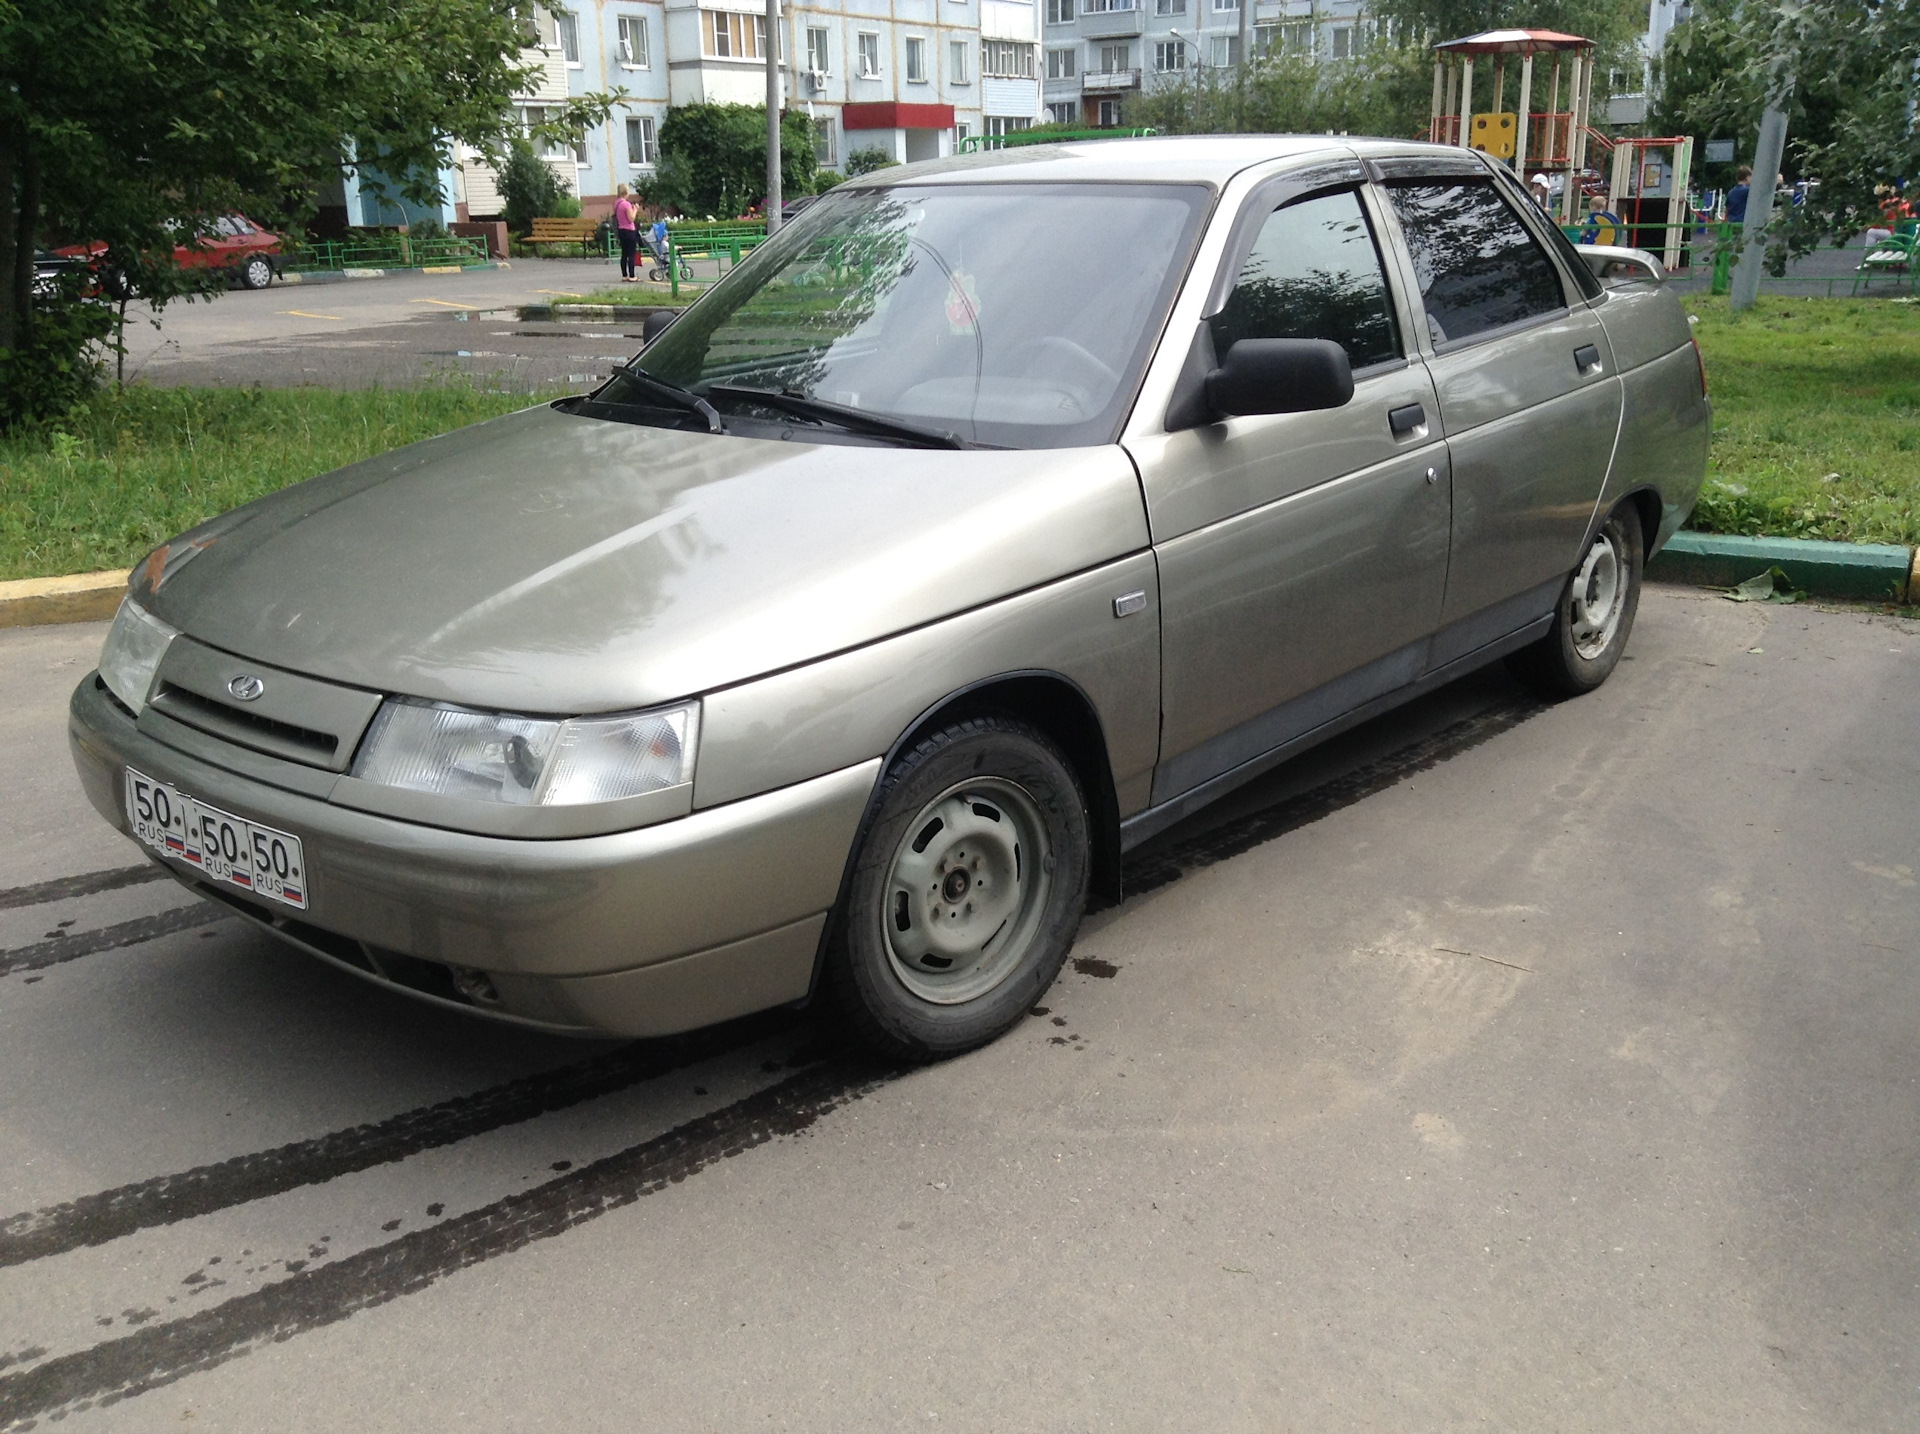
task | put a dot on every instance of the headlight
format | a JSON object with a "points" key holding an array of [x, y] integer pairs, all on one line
{"points": [[528, 761], [135, 644]]}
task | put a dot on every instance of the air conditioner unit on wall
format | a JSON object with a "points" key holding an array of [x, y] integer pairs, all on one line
{"points": [[817, 79]]}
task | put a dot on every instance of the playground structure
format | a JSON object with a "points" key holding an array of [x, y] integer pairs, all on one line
{"points": [[1646, 187]]}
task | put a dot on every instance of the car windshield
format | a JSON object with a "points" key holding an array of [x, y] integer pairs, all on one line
{"points": [[1016, 315]]}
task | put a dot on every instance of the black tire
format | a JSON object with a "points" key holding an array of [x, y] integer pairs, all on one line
{"points": [[1578, 653], [256, 273], [950, 850]]}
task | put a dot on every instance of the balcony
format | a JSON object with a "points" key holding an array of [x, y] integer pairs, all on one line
{"points": [[1102, 81]]}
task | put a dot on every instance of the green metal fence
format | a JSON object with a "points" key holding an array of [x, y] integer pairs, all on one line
{"points": [[974, 143], [389, 251]]}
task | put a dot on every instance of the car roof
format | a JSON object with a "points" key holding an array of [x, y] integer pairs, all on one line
{"points": [[1209, 159]]}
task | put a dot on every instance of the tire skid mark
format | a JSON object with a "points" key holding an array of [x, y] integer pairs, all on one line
{"points": [[43, 954], [87, 884], [166, 1199], [118, 1369], [1149, 872]]}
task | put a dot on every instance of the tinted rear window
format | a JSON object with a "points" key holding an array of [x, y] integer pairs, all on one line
{"points": [[1478, 267]]}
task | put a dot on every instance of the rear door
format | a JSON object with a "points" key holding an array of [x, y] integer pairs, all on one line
{"points": [[1524, 376]]}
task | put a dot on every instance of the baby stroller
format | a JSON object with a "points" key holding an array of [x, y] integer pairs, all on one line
{"points": [[657, 271]]}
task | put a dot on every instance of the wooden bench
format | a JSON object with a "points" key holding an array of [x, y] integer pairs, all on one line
{"points": [[565, 231]]}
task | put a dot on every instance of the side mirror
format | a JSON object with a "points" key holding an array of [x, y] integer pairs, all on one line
{"points": [[656, 323], [1280, 376]]}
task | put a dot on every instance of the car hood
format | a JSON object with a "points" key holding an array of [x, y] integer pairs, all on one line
{"points": [[548, 563]]}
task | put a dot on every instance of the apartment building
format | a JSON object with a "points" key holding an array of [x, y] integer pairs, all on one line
{"points": [[1096, 53], [909, 77]]}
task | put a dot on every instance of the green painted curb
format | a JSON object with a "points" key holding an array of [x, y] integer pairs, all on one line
{"points": [[1879, 571]]}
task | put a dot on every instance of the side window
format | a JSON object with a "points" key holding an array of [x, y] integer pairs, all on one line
{"points": [[1478, 266], [1313, 273]]}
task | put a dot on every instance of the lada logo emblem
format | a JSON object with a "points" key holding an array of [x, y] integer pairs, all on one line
{"points": [[246, 687]]}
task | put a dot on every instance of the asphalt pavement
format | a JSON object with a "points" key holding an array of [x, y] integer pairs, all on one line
{"points": [[407, 328], [1500, 1065]]}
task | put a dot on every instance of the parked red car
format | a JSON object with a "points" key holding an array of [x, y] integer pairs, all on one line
{"points": [[247, 254]]}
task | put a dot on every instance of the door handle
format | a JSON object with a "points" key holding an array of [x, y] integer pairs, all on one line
{"points": [[1408, 420], [1586, 358]]}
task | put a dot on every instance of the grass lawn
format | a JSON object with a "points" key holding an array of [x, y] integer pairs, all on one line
{"points": [[1816, 424], [638, 296], [1816, 434], [136, 468]]}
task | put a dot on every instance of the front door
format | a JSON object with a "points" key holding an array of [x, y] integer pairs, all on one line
{"points": [[1528, 397], [1302, 556]]}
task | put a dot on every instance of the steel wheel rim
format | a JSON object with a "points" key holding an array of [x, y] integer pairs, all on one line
{"points": [[259, 274], [1599, 597], [966, 890]]}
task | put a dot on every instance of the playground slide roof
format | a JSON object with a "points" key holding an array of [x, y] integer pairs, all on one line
{"points": [[1513, 42]]}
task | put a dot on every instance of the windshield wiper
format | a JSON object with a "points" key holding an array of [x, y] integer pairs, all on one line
{"points": [[853, 419], [679, 397]]}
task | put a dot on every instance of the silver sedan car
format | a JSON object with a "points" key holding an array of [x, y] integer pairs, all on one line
{"points": [[995, 515]]}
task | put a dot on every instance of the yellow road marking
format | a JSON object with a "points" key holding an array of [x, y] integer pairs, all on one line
{"points": [[564, 293], [443, 303], [303, 314]]}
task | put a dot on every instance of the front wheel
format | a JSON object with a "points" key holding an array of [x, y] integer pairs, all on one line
{"points": [[256, 273], [1594, 615], [967, 891]]}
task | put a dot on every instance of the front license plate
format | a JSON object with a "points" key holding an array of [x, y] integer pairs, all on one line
{"points": [[227, 848]]}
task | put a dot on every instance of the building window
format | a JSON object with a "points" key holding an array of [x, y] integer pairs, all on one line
{"points": [[729, 35], [916, 60], [1296, 37], [532, 116], [1109, 113], [643, 149], [1006, 60], [960, 131], [1226, 51], [1059, 12], [826, 153], [1169, 55], [569, 26], [869, 66], [998, 125], [1115, 59], [957, 62], [817, 50], [1066, 112], [1169, 7], [1342, 42], [1060, 64], [1101, 7], [634, 51]]}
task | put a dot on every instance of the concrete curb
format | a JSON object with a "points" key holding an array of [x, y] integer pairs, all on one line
{"points": [[597, 311], [341, 276], [1881, 572], [79, 597]]}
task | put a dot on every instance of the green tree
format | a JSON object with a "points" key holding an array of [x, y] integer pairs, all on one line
{"points": [[119, 118], [1384, 90], [866, 161], [713, 158], [1851, 124], [528, 187]]}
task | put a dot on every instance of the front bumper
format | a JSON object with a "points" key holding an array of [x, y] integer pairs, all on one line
{"points": [[645, 932]]}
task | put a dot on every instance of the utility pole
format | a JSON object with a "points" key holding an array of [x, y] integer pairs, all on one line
{"points": [[773, 117], [1767, 153]]}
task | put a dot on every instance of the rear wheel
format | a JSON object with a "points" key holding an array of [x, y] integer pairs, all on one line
{"points": [[966, 892], [256, 273], [1594, 616]]}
